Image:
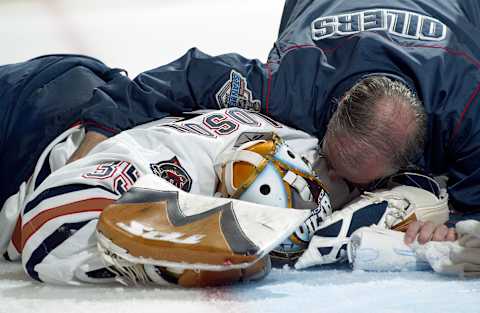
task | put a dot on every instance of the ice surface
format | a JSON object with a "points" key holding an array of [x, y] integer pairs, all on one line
{"points": [[283, 290], [142, 34]]}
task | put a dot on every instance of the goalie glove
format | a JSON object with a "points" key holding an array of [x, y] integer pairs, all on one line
{"points": [[390, 209]]}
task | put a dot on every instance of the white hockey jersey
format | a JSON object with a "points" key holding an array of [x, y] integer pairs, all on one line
{"points": [[50, 223]]}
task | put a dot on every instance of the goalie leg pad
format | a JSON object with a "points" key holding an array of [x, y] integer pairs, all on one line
{"points": [[159, 225], [131, 273], [199, 278], [157, 230]]}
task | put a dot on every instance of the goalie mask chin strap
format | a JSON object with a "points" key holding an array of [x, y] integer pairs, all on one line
{"points": [[299, 184]]}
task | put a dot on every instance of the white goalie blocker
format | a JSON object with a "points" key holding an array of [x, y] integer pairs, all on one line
{"points": [[395, 208], [376, 249], [382, 250], [158, 224]]}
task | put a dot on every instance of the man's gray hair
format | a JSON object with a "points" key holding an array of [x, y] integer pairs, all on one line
{"points": [[381, 117]]}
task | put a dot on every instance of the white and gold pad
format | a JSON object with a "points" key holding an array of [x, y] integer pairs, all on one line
{"points": [[159, 224]]}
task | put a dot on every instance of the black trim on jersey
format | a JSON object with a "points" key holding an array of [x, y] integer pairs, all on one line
{"points": [[62, 233], [44, 171], [55, 191]]}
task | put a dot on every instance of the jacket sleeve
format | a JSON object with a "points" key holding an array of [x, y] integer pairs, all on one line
{"points": [[195, 81], [471, 10], [464, 169]]}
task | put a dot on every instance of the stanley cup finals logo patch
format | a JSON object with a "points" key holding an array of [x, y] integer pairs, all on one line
{"points": [[173, 172], [234, 93]]}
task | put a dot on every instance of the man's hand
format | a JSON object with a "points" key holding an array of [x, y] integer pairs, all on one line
{"points": [[460, 257], [427, 231], [91, 140]]}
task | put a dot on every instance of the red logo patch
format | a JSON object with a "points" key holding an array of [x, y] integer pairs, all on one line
{"points": [[173, 172]]}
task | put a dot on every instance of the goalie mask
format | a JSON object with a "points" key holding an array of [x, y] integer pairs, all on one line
{"points": [[269, 172]]}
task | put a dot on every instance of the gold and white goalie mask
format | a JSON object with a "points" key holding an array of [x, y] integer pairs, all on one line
{"points": [[269, 172]]}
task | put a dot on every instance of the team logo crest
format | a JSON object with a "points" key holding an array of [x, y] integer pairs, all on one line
{"points": [[173, 172], [235, 93]]}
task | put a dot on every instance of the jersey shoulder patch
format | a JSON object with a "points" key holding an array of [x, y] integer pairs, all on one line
{"points": [[173, 172], [235, 93]]}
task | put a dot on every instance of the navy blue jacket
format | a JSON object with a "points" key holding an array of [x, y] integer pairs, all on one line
{"points": [[40, 99], [323, 48]]}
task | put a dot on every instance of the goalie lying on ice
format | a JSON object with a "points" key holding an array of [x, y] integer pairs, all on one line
{"points": [[169, 228], [51, 222]]}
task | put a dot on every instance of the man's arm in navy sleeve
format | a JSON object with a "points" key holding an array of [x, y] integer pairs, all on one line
{"points": [[471, 10], [464, 167], [193, 82]]}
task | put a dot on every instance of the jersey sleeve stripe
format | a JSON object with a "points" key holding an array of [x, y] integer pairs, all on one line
{"points": [[60, 190], [90, 205], [44, 171], [61, 234], [17, 235]]}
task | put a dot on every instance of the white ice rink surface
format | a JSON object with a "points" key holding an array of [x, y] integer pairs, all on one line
{"points": [[284, 291], [142, 34]]}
